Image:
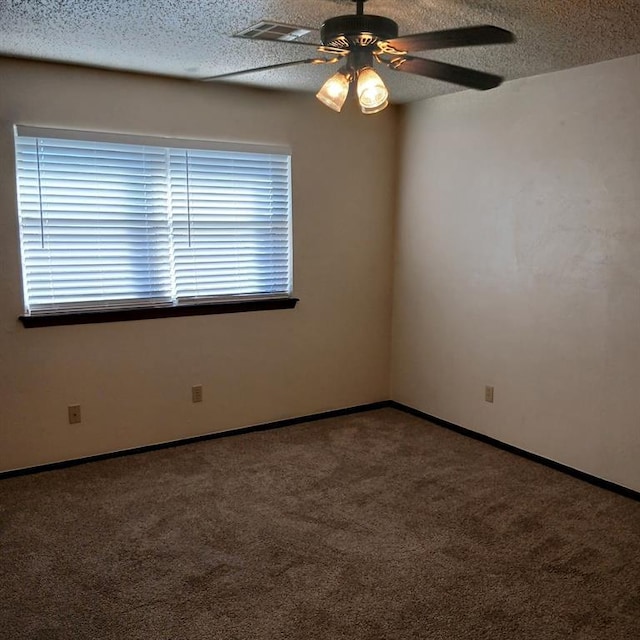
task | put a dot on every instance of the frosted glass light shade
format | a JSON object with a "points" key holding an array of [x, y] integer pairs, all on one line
{"points": [[373, 96], [334, 91]]}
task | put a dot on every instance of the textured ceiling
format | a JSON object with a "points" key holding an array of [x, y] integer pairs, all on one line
{"points": [[191, 38]]}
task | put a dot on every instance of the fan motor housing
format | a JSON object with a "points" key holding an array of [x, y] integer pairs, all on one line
{"points": [[345, 32]]}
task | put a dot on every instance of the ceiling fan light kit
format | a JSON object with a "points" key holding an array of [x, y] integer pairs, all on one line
{"points": [[371, 91], [363, 40]]}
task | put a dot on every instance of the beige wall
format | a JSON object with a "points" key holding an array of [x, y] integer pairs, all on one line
{"points": [[133, 379], [518, 265]]}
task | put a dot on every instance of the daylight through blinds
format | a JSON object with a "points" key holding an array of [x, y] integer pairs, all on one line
{"points": [[108, 224]]}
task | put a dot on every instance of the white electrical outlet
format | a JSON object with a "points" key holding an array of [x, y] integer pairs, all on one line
{"points": [[488, 394], [196, 393], [74, 414]]}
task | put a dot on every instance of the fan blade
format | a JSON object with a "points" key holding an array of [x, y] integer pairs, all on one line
{"points": [[320, 47], [464, 37], [447, 72], [271, 66]]}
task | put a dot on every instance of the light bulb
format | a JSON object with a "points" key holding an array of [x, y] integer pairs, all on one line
{"points": [[334, 91], [372, 94]]}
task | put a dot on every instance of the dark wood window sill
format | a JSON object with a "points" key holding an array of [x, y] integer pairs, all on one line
{"points": [[148, 313]]}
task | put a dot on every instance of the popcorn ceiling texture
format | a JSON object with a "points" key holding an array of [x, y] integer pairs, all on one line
{"points": [[191, 38]]}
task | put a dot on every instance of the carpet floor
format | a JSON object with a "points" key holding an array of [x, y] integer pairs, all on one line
{"points": [[377, 525]]}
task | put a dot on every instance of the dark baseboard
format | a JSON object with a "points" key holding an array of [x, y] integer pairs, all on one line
{"points": [[287, 422], [581, 475]]}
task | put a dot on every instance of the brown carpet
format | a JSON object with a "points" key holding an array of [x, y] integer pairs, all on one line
{"points": [[376, 525]]}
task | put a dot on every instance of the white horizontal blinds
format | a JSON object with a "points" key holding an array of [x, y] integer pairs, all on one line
{"points": [[93, 223], [230, 214], [112, 224]]}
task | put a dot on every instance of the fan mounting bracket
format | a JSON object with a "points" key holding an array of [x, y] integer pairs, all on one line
{"points": [[359, 6]]}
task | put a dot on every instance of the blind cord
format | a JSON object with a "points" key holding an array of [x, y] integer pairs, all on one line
{"points": [[40, 193], [186, 160]]}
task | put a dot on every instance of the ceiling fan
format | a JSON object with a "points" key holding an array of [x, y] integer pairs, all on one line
{"points": [[360, 40]]}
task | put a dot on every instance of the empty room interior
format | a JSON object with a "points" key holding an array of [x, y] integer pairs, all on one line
{"points": [[395, 393]]}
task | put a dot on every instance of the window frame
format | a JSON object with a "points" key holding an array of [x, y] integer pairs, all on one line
{"points": [[210, 305]]}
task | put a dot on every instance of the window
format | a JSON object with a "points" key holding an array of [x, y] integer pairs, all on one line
{"points": [[112, 222]]}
